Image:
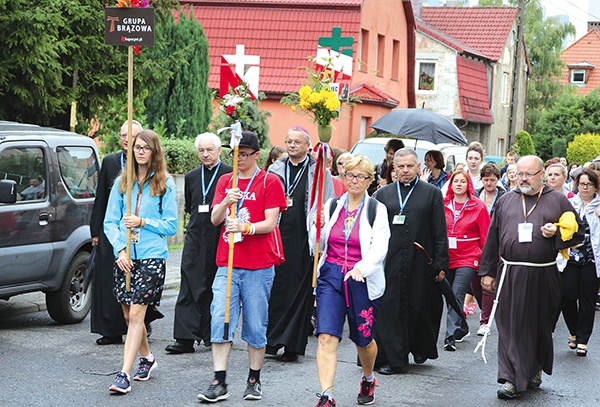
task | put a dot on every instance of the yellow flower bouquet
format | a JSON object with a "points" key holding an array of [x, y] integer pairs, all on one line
{"points": [[318, 100]]}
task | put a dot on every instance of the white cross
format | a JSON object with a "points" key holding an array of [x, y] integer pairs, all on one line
{"points": [[241, 60]]}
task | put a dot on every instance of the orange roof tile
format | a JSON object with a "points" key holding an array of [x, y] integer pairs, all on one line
{"points": [[428, 29], [284, 36], [374, 95], [473, 90], [484, 28], [584, 50]]}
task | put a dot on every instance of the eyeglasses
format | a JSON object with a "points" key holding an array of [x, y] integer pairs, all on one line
{"points": [[145, 149], [242, 156], [360, 177], [294, 142], [585, 185], [527, 174]]}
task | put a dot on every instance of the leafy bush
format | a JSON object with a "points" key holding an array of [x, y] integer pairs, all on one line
{"points": [[181, 155], [523, 144], [584, 147]]}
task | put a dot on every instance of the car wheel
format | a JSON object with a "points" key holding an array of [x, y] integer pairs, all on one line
{"points": [[70, 304]]}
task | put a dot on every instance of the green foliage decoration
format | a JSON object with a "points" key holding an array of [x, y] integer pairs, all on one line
{"points": [[250, 117]]}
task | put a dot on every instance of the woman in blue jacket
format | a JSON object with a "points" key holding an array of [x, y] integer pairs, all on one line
{"points": [[153, 218]]}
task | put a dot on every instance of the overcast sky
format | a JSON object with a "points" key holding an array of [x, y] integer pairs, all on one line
{"points": [[577, 10]]}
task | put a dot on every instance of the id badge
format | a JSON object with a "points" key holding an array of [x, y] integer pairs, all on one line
{"points": [[525, 232], [203, 208], [237, 237], [290, 201], [399, 219], [135, 235], [452, 243]]}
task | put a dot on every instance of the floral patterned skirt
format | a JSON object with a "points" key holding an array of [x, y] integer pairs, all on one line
{"points": [[147, 282]]}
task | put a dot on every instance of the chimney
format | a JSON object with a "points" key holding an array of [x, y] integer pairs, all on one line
{"points": [[593, 24]]}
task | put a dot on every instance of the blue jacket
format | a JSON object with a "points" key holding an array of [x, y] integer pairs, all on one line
{"points": [[159, 224]]}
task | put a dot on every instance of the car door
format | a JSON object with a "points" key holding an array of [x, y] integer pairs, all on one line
{"points": [[26, 225]]}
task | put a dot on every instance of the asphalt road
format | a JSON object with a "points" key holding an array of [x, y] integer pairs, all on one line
{"points": [[43, 363]]}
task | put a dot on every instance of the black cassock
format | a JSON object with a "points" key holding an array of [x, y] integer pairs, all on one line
{"points": [[106, 314], [411, 307], [291, 303], [530, 297], [198, 268]]}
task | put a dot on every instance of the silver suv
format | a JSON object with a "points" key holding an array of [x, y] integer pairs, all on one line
{"points": [[48, 181]]}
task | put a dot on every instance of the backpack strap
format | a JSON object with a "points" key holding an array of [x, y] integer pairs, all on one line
{"points": [[371, 209]]}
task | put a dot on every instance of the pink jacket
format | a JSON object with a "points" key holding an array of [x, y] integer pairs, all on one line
{"points": [[470, 229]]}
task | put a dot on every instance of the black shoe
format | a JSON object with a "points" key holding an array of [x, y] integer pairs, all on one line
{"points": [[449, 344], [109, 340], [419, 359], [388, 370], [181, 346], [289, 356]]}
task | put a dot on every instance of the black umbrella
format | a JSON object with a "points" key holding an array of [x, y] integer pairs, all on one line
{"points": [[89, 270], [420, 124], [444, 285]]}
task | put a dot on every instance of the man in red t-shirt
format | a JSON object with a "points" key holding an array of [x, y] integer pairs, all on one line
{"points": [[259, 198]]}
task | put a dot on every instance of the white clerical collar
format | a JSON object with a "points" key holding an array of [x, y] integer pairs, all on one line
{"points": [[300, 163]]}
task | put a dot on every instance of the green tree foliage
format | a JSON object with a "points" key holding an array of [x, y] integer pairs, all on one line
{"points": [[544, 40], [570, 115], [523, 144], [186, 96], [559, 148], [584, 147], [53, 53], [109, 118], [490, 3]]}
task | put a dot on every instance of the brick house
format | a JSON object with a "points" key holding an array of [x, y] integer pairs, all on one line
{"points": [[285, 33], [464, 69], [582, 60]]}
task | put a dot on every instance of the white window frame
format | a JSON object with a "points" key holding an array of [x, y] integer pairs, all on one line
{"points": [[505, 99], [578, 71], [435, 76]]}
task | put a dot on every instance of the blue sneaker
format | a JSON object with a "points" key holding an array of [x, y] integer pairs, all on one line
{"points": [[144, 369], [122, 384]]}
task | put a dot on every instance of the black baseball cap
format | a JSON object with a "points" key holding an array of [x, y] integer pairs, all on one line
{"points": [[249, 139]]}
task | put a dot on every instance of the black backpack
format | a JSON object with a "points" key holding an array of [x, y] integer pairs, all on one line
{"points": [[371, 209]]}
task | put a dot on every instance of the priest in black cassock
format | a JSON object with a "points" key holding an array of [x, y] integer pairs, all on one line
{"points": [[198, 268], [522, 244], [106, 314], [411, 307], [291, 303]]}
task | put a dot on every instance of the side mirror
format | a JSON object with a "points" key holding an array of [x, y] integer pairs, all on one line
{"points": [[8, 191]]}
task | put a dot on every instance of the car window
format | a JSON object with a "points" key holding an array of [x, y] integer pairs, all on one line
{"points": [[79, 171], [373, 152], [27, 167]]}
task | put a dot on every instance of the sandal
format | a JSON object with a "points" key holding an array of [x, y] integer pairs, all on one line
{"points": [[572, 343], [582, 349]]}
